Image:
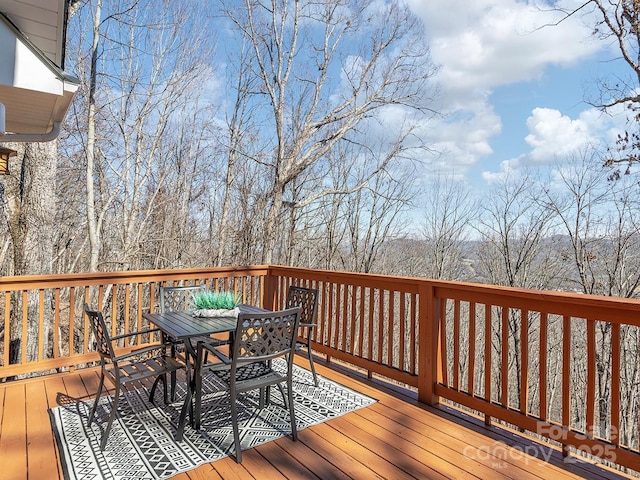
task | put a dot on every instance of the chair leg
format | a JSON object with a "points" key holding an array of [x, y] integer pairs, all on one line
{"points": [[173, 373], [284, 397], [173, 385], [183, 414], [95, 402], [236, 428], [165, 393], [292, 413], [112, 415], [313, 367], [196, 411], [159, 378]]}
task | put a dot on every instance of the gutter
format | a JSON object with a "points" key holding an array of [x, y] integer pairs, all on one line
{"points": [[32, 137]]}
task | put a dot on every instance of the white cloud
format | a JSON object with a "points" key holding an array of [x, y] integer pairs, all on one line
{"points": [[464, 134], [484, 44], [506, 170], [554, 137], [487, 43]]}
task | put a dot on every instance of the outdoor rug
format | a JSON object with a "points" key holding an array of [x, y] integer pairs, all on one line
{"points": [[141, 444]]}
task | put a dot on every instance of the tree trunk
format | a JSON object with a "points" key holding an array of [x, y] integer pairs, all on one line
{"points": [[30, 207], [93, 227]]}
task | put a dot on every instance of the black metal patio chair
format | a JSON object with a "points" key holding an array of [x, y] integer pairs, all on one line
{"points": [[259, 339], [307, 300], [140, 364], [175, 299]]}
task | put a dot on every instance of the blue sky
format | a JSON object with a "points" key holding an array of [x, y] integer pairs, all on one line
{"points": [[514, 92]]}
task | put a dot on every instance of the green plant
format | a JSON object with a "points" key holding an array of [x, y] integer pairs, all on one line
{"points": [[212, 300]]}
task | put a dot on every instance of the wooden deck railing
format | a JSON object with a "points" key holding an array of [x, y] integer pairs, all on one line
{"points": [[564, 366], [45, 317]]}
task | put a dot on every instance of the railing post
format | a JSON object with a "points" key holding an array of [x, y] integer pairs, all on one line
{"points": [[268, 293], [428, 350]]}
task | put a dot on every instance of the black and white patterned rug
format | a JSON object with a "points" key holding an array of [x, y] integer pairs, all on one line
{"points": [[141, 443]]}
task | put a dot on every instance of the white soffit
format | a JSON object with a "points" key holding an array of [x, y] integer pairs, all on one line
{"points": [[42, 22], [34, 89]]}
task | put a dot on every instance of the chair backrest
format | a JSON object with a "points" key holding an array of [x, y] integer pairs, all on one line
{"points": [[265, 336], [177, 299], [306, 299], [99, 327]]}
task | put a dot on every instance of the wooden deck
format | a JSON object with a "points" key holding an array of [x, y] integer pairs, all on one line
{"points": [[395, 438]]}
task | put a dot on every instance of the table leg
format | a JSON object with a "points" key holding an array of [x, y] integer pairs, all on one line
{"points": [[165, 340], [191, 386]]}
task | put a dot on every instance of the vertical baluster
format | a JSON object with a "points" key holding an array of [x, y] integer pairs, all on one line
{"points": [[352, 320], [566, 375], [591, 377], [403, 311], [504, 377], [413, 335], [24, 338], [345, 317], [139, 310], [614, 428], [443, 341], [524, 364], [542, 378], [472, 349], [456, 344], [114, 310], [127, 307], [41, 331], [487, 358], [391, 319], [56, 322], [380, 325], [72, 319], [371, 309], [321, 317], [361, 322]]}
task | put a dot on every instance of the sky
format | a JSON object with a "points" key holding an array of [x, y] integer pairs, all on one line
{"points": [[514, 89]]}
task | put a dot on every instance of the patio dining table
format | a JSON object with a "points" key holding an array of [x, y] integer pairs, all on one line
{"points": [[183, 326]]}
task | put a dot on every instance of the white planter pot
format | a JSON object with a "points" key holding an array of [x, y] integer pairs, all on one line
{"points": [[223, 313]]}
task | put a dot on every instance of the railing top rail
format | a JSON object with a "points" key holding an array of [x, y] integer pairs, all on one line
{"points": [[593, 307], [452, 289], [351, 278], [26, 282]]}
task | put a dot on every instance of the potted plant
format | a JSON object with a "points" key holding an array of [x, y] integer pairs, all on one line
{"points": [[215, 304]]}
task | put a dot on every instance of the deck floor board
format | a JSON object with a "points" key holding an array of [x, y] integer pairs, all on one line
{"points": [[13, 439], [396, 438]]}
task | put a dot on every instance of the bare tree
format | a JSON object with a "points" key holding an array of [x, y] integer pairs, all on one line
{"points": [[347, 212], [144, 73], [619, 22], [514, 227], [448, 213], [373, 217], [324, 68], [238, 142], [93, 222], [579, 201]]}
